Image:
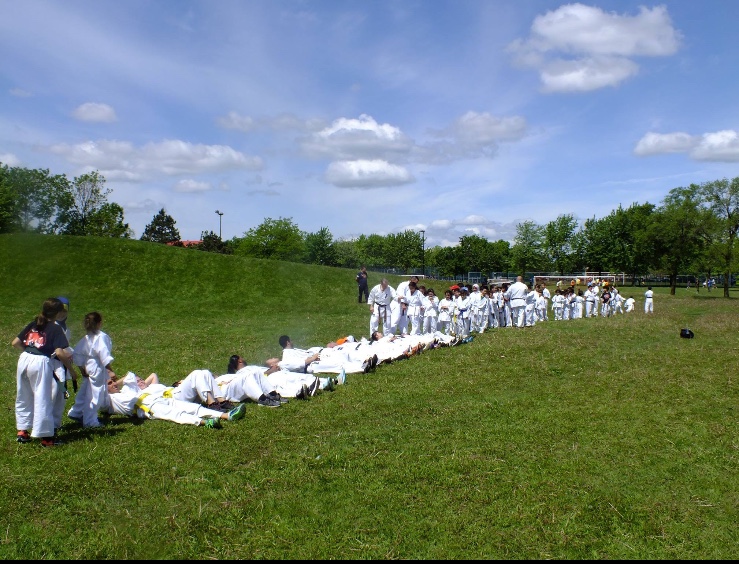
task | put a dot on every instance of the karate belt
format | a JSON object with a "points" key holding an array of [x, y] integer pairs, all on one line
{"points": [[140, 401]]}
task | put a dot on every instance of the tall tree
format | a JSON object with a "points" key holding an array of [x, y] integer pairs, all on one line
{"points": [[527, 252], [278, 239], [162, 229], [89, 212], [38, 198], [722, 198], [212, 243], [677, 232], [8, 203], [319, 248], [107, 221], [558, 236]]}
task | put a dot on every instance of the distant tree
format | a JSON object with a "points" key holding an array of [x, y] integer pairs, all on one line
{"points": [[37, 199], [319, 248], [722, 198], [370, 250], [107, 221], [447, 260], [345, 252], [8, 203], [88, 211], [528, 247], [403, 250], [278, 239], [677, 231], [162, 229], [558, 238], [212, 243]]}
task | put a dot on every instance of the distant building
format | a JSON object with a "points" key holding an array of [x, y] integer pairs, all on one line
{"points": [[184, 243]]}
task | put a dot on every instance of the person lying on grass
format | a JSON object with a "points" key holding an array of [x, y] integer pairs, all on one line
{"points": [[148, 399]]}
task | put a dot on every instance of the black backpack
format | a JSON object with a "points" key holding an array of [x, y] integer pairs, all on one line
{"points": [[686, 334]]}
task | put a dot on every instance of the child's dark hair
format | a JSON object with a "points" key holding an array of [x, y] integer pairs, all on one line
{"points": [[232, 363], [49, 310], [283, 340], [92, 321]]}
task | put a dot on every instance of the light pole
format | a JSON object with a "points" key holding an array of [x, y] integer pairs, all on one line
{"points": [[220, 223], [423, 252]]}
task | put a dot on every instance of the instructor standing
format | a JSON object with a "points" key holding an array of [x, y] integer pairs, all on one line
{"points": [[362, 284]]}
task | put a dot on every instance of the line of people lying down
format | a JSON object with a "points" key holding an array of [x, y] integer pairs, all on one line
{"points": [[202, 398]]}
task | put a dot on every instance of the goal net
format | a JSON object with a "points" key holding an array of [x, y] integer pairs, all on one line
{"points": [[578, 281]]}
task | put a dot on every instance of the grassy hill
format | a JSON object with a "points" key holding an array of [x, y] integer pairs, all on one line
{"points": [[602, 438]]}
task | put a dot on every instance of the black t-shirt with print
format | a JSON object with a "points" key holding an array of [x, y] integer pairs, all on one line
{"points": [[43, 341]]}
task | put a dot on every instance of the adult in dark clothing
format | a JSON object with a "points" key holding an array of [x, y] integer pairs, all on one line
{"points": [[362, 284]]}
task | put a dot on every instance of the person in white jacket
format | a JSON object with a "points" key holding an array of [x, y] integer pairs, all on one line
{"points": [[516, 295], [93, 356], [446, 310], [380, 301], [430, 312], [148, 399]]}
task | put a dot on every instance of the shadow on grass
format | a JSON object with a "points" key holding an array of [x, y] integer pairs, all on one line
{"points": [[73, 431]]}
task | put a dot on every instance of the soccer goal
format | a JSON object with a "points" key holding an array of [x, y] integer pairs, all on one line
{"points": [[577, 281]]}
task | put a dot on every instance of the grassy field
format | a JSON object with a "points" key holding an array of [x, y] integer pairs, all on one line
{"points": [[596, 438]]}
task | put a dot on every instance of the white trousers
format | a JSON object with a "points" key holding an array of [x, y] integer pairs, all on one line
{"points": [[33, 401], [91, 397]]}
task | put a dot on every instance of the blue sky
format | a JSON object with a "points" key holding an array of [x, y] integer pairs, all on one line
{"points": [[455, 117]]}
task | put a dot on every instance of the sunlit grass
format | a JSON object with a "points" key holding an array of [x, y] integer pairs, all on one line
{"points": [[603, 438]]}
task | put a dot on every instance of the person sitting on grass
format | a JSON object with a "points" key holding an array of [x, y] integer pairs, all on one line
{"points": [[148, 399]]}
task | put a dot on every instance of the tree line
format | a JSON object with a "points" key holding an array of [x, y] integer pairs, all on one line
{"points": [[692, 231]]}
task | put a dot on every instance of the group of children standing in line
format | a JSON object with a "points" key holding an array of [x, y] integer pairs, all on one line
{"points": [[414, 309]]}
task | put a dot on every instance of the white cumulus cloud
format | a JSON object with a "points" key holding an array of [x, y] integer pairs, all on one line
{"points": [[367, 174], [579, 48], [354, 139], [94, 112], [718, 146], [9, 159], [169, 157], [660, 143]]}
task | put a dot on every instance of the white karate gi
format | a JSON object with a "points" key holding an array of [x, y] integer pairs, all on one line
{"points": [[516, 295], [153, 402], [446, 309], [196, 386], [93, 353], [649, 301], [247, 383], [380, 301]]}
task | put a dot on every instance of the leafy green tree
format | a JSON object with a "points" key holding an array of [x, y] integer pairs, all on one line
{"points": [[446, 260], [677, 232], [595, 240], [346, 253], [500, 256], [722, 198], [370, 250], [162, 229], [212, 243], [38, 199], [474, 253], [107, 221], [403, 250], [527, 252], [8, 203], [278, 239], [319, 248], [558, 237], [631, 247], [89, 212]]}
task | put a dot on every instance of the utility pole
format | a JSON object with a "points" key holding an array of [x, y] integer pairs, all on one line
{"points": [[220, 223]]}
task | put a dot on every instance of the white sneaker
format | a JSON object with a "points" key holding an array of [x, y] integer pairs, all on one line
{"points": [[342, 377]]}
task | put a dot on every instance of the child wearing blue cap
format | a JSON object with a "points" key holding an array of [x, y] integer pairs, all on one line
{"points": [[60, 392]]}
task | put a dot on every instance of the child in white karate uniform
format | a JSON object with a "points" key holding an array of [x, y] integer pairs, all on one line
{"points": [[93, 356]]}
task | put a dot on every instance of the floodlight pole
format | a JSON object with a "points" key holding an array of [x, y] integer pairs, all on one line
{"points": [[220, 223], [423, 252]]}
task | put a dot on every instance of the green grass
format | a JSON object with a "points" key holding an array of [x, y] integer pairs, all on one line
{"points": [[599, 438]]}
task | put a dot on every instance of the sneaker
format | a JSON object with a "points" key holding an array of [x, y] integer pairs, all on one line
{"points": [[266, 401], [276, 396], [237, 412], [304, 393], [23, 437], [50, 442], [226, 406], [330, 384], [313, 389], [341, 380], [212, 423], [374, 362]]}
